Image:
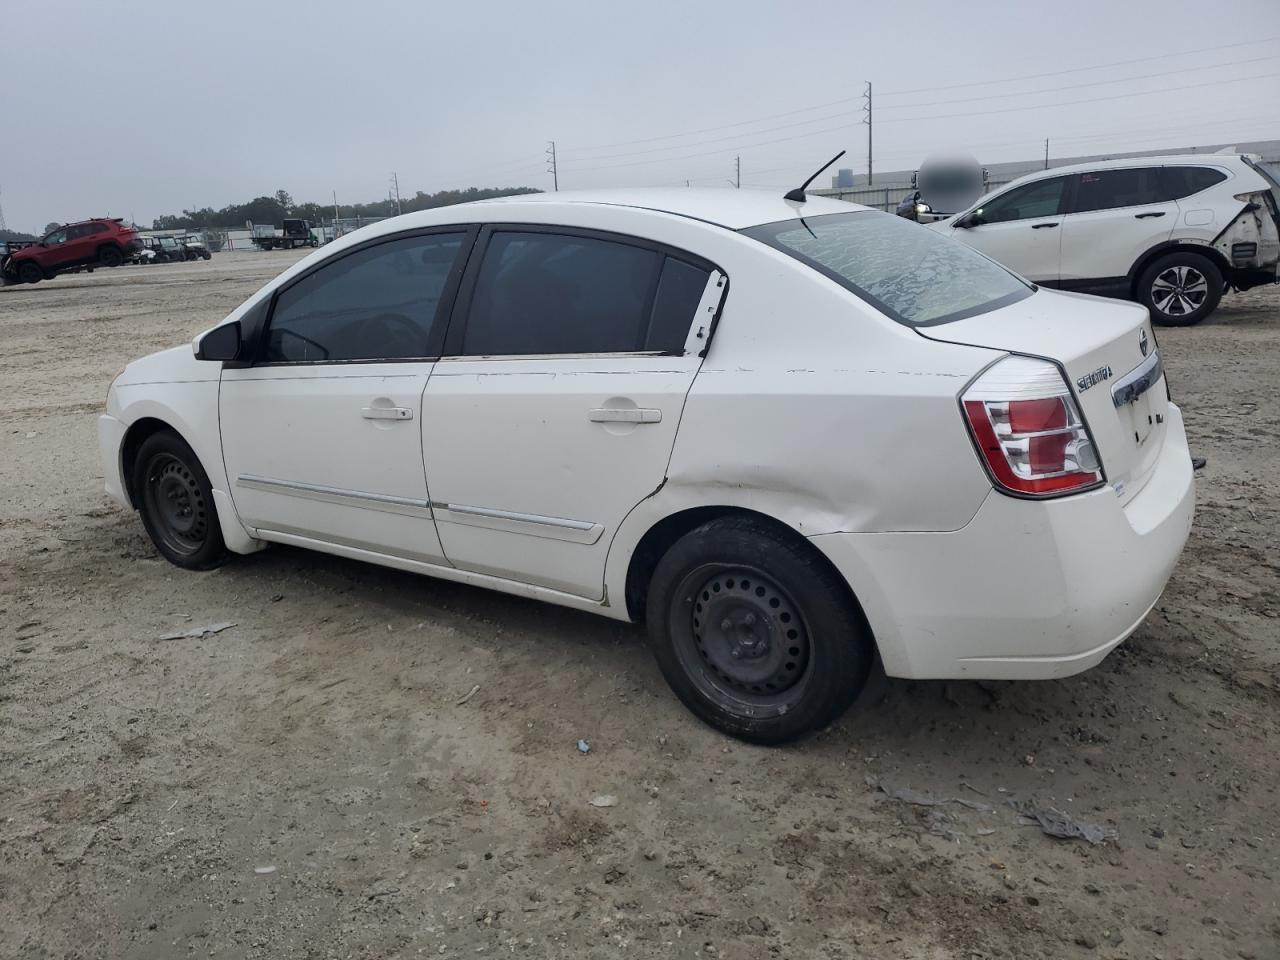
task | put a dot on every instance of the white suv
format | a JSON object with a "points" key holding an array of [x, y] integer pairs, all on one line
{"points": [[791, 435], [1169, 232]]}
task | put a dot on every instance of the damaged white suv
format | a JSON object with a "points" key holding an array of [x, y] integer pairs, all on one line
{"points": [[794, 435], [1172, 233]]}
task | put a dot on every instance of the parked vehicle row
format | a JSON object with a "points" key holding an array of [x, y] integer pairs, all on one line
{"points": [[1172, 233], [293, 233], [791, 434]]}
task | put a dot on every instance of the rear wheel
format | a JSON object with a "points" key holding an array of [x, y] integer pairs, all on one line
{"points": [[754, 631], [176, 502], [1180, 289], [110, 257], [30, 272]]}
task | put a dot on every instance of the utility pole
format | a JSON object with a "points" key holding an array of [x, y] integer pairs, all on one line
{"points": [[2, 224], [1046, 153], [866, 110], [395, 185], [737, 172], [551, 165]]}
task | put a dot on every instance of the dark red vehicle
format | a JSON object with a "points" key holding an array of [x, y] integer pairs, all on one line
{"points": [[91, 243]]}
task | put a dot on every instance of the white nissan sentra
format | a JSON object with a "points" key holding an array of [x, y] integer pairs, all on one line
{"points": [[791, 435]]}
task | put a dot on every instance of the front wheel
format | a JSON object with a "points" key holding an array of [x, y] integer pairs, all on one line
{"points": [[30, 272], [755, 632], [175, 499], [1180, 289]]}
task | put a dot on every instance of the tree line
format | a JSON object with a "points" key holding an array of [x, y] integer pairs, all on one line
{"points": [[273, 209]]}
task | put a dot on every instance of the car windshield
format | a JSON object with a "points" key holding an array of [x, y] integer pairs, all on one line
{"points": [[914, 275]]}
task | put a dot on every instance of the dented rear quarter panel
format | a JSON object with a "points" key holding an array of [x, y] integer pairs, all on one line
{"points": [[816, 410]]}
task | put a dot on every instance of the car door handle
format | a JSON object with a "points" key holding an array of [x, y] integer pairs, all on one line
{"points": [[624, 415], [1149, 213], [386, 413], [1041, 226]]}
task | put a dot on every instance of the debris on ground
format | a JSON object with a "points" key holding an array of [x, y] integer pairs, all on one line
{"points": [[468, 695], [268, 868], [1055, 823], [197, 633], [909, 795], [584, 746], [604, 800]]}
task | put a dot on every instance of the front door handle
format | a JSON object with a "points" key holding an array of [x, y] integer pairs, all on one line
{"points": [[386, 413], [1041, 226], [1149, 213], [624, 415]]}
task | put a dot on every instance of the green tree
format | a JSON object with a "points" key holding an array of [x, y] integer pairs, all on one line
{"points": [[6, 235], [51, 226], [283, 198]]}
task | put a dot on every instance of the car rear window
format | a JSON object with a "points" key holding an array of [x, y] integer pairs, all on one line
{"points": [[912, 274], [1179, 182]]}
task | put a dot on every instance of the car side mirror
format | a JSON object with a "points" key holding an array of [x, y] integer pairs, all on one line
{"points": [[221, 343], [972, 220]]}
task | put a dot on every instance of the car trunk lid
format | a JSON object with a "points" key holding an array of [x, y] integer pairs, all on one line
{"points": [[1108, 352]]}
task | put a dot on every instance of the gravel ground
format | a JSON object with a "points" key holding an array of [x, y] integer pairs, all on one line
{"points": [[307, 783]]}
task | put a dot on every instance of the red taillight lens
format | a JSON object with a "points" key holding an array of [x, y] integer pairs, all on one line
{"points": [[1029, 430]]}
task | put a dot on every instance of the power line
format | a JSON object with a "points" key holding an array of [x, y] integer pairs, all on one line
{"points": [[1078, 86], [1098, 66], [1068, 103]]}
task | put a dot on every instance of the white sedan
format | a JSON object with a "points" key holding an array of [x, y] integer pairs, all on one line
{"points": [[794, 436]]}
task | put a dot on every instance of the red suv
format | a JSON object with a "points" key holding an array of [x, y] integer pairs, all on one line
{"points": [[90, 243]]}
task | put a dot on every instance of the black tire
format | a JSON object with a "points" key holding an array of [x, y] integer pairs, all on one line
{"points": [[110, 257], [754, 631], [1180, 289], [206, 255], [30, 272], [175, 500]]}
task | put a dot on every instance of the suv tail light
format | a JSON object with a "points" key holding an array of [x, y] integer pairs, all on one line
{"points": [[1029, 431]]}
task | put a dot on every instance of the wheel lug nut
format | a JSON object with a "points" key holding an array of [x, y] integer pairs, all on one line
{"points": [[726, 624], [736, 653], [749, 619]]}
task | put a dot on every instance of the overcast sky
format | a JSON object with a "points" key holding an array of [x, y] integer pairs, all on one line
{"points": [[142, 108]]}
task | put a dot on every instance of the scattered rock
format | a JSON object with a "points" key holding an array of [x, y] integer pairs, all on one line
{"points": [[1087, 940], [1160, 926], [604, 800]]}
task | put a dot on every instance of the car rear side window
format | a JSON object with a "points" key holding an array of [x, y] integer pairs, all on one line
{"points": [[1179, 182], [912, 274], [1111, 189], [379, 303], [553, 293]]}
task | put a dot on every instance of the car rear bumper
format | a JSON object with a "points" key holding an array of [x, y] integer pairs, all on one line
{"points": [[110, 440], [1027, 589]]}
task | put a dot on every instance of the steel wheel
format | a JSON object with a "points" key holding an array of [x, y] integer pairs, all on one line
{"points": [[176, 504], [1179, 291], [742, 640]]}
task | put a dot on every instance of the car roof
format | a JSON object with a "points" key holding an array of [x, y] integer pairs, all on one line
{"points": [[1171, 160], [726, 207]]}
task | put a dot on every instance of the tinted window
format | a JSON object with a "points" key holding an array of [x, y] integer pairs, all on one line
{"points": [[1179, 182], [78, 231], [680, 289], [58, 236], [915, 276], [1040, 199], [380, 303], [1109, 189], [555, 293]]}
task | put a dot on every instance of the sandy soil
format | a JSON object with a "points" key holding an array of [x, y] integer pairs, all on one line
{"points": [[306, 784]]}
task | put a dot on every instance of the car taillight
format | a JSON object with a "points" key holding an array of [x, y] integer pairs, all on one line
{"points": [[1027, 427]]}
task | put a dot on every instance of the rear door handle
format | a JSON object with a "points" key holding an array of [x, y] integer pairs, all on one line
{"points": [[1041, 226], [1149, 213], [386, 413], [624, 415]]}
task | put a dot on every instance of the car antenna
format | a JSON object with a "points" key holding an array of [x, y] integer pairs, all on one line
{"points": [[798, 193]]}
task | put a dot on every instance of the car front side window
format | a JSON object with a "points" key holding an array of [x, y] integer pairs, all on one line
{"points": [[56, 238], [378, 303], [1040, 199], [553, 293]]}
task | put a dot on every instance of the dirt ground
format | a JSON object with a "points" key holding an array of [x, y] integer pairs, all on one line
{"points": [[308, 784]]}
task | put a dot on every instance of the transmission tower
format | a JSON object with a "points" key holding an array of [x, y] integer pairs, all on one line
{"points": [[866, 110], [3, 226]]}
